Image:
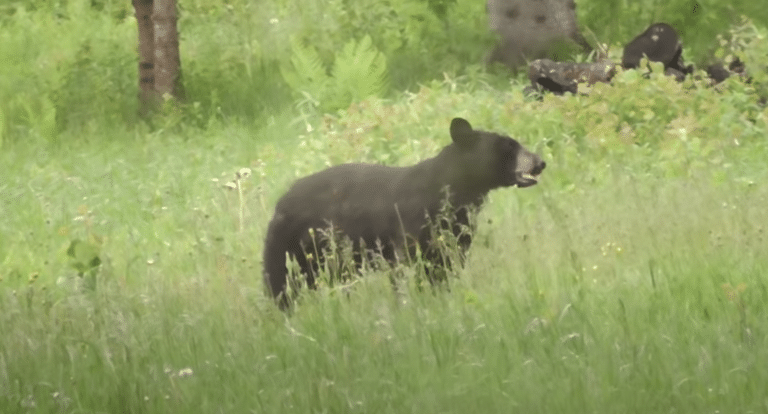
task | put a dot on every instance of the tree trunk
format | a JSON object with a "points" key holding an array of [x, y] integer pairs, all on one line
{"points": [[147, 96], [167, 61], [159, 62], [532, 29]]}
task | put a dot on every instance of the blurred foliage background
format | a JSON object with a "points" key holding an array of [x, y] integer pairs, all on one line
{"points": [[70, 65]]}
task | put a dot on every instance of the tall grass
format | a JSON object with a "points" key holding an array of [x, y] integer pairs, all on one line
{"points": [[631, 279]]}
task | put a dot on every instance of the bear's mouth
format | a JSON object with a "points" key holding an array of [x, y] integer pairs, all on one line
{"points": [[528, 169], [526, 179]]}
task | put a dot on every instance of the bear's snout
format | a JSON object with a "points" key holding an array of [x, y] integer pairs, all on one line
{"points": [[529, 167]]}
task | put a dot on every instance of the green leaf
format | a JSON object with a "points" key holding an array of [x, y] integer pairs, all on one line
{"points": [[306, 72], [360, 71], [85, 255]]}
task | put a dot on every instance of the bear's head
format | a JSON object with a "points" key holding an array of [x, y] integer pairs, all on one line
{"points": [[659, 43], [490, 160]]}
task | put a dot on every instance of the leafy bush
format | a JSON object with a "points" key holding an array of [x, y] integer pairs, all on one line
{"points": [[616, 22], [749, 43], [50, 82]]}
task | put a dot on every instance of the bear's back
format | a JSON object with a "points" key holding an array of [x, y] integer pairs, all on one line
{"points": [[362, 200]]}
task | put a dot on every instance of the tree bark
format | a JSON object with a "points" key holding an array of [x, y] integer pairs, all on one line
{"points": [[159, 61], [147, 95], [167, 60], [532, 29]]}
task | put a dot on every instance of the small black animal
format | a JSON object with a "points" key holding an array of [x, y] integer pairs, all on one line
{"points": [[391, 210], [659, 43]]}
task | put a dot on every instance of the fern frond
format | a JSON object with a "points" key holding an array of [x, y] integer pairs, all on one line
{"points": [[306, 73], [359, 71]]}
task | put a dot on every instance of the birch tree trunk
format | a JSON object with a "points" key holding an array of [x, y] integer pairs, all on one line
{"points": [[158, 47], [147, 96], [167, 60]]}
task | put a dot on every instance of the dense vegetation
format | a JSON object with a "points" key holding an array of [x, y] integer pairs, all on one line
{"points": [[70, 65], [631, 279]]}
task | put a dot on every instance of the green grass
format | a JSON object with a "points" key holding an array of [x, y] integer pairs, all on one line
{"points": [[632, 279]]}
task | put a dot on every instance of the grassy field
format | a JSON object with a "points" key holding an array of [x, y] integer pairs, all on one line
{"points": [[631, 279]]}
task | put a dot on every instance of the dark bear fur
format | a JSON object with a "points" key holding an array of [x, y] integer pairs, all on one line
{"points": [[659, 43], [380, 207]]}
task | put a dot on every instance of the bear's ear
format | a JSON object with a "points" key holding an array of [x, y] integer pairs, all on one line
{"points": [[462, 133]]}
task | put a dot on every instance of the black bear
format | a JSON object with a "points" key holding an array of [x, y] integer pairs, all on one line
{"points": [[659, 43], [391, 211]]}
